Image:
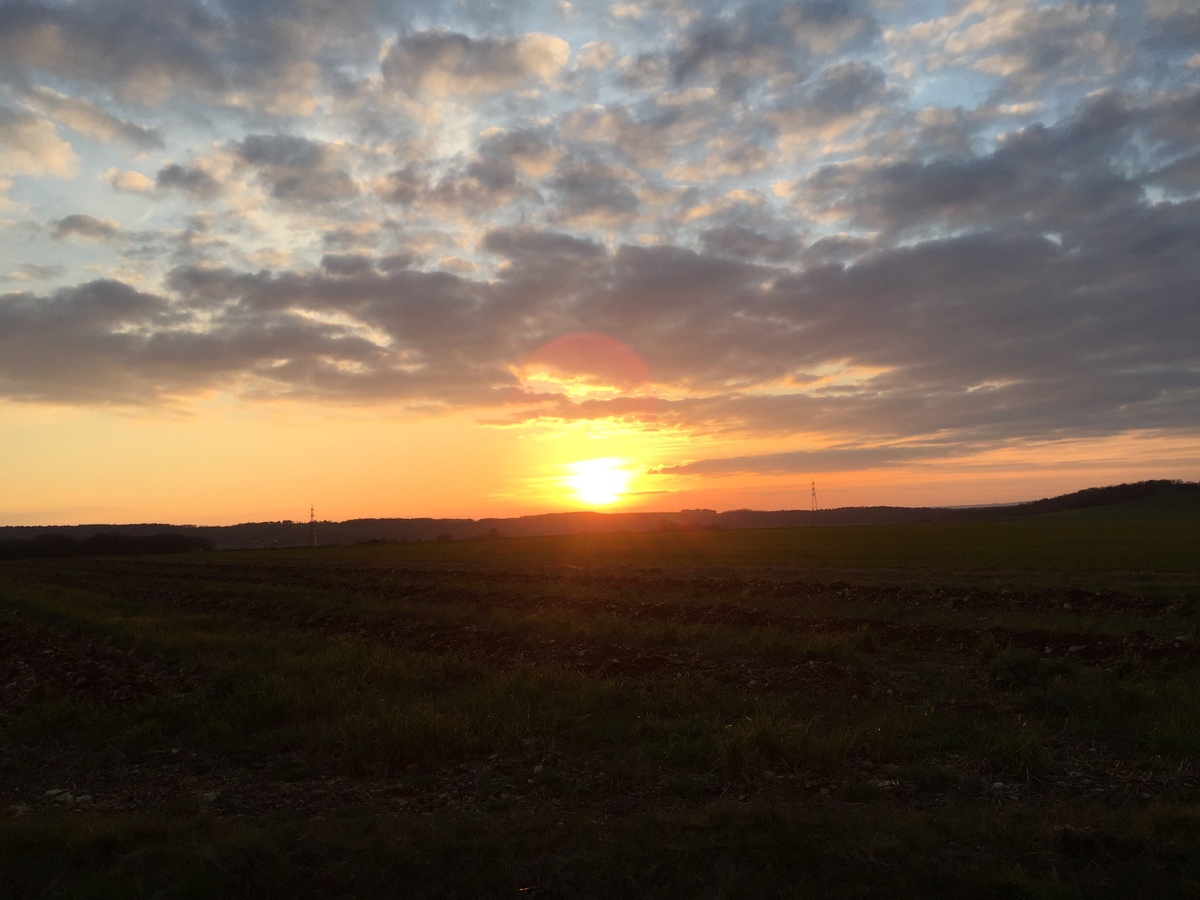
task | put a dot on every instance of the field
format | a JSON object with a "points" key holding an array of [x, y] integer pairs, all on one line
{"points": [[1006, 709]]}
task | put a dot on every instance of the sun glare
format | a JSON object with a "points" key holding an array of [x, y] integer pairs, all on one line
{"points": [[598, 482]]}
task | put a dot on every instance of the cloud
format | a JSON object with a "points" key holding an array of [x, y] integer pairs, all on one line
{"points": [[32, 146], [745, 243], [843, 96], [89, 228], [294, 169], [965, 228], [1029, 46], [128, 182], [1174, 25], [596, 54], [627, 11], [531, 245], [447, 63], [402, 186], [145, 53], [71, 345], [729, 153], [1182, 176], [485, 183], [768, 41], [594, 190], [1060, 179], [253, 56], [352, 236], [528, 149], [193, 181], [104, 342], [499, 173], [90, 120], [973, 338], [825, 26], [348, 265], [805, 462], [36, 272]]}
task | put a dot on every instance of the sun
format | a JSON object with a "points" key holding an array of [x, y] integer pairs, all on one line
{"points": [[598, 482]]}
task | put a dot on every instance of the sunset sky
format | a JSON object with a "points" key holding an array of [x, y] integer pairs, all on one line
{"points": [[471, 259]]}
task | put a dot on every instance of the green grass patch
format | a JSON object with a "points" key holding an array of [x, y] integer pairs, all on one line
{"points": [[1038, 548]]}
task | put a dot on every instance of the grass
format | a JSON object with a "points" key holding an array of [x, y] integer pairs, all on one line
{"points": [[1125, 553], [1155, 507], [1031, 544], [560, 717]]}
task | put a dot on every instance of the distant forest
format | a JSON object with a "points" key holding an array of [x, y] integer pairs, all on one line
{"points": [[106, 540], [105, 543], [1085, 499]]}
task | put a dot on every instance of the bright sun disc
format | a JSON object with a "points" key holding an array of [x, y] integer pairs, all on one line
{"points": [[598, 482]]}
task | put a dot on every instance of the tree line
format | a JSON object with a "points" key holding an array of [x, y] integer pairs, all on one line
{"points": [[107, 543]]}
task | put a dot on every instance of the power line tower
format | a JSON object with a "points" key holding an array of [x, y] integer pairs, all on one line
{"points": [[813, 494], [312, 526]]}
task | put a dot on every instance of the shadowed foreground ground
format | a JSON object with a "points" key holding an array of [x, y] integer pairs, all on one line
{"points": [[750, 717]]}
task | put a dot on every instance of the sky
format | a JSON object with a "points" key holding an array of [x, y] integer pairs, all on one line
{"points": [[425, 258]]}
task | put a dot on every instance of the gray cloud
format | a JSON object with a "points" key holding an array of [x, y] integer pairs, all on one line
{"points": [[87, 227], [847, 87], [768, 39], [345, 238], [403, 186], [296, 169], [71, 346], [746, 243], [195, 182], [836, 459], [484, 183], [500, 172], [1173, 26], [645, 73], [588, 188], [91, 120], [1030, 50], [840, 97], [36, 272], [348, 265], [529, 149], [1061, 178], [614, 127], [263, 56], [447, 62], [975, 338], [531, 245], [121, 44]]}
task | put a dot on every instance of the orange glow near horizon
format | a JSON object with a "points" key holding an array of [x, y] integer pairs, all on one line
{"points": [[221, 463]]}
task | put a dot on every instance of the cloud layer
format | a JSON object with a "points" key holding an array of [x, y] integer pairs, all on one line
{"points": [[912, 231]]}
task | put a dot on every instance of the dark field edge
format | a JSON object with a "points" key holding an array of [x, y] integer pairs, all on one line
{"points": [[722, 850], [1151, 556], [1129, 555]]}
